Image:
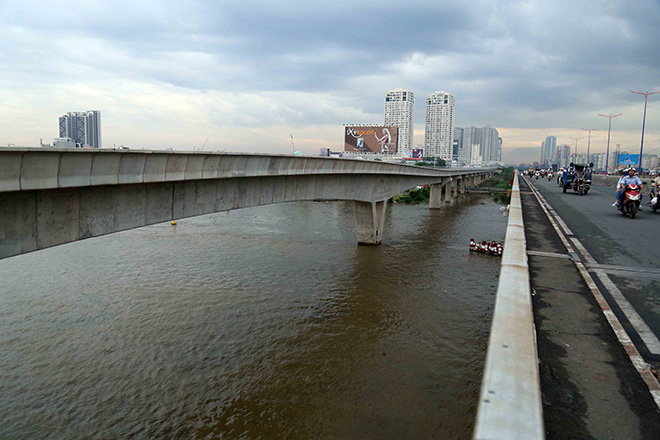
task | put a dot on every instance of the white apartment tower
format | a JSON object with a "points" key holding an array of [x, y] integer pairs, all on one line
{"points": [[439, 132], [400, 112], [83, 127]]}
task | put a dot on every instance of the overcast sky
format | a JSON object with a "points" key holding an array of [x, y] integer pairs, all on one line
{"points": [[248, 74]]}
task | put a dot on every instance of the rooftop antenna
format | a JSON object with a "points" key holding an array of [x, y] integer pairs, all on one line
{"points": [[291, 144], [207, 139]]}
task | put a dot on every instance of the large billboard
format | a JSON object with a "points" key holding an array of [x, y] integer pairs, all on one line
{"points": [[371, 139], [628, 159], [412, 154]]}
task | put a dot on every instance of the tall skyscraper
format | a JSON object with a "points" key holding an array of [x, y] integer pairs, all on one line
{"points": [[485, 140], [400, 112], [548, 150], [83, 127], [563, 156], [439, 132]]}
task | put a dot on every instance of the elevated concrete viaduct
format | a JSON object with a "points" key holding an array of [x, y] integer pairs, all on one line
{"points": [[55, 196]]}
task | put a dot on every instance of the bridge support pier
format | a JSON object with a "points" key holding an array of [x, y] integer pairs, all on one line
{"points": [[456, 183], [462, 185], [435, 199], [447, 190], [370, 222]]}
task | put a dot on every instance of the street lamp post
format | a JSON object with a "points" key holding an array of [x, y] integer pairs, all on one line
{"points": [[641, 147], [576, 150], [589, 141], [609, 128]]}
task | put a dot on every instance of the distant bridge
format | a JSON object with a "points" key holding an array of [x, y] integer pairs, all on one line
{"points": [[54, 196]]}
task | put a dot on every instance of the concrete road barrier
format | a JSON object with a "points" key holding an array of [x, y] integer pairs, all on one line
{"points": [[510, 399]]}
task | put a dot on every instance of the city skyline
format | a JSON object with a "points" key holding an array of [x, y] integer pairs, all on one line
{"points": [[246, 76]]}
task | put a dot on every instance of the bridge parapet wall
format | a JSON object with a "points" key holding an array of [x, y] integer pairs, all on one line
{"points": [[510, 399], [25, 169]]}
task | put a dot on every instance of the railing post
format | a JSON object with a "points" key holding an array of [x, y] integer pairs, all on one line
{"points": [[370, 222]]}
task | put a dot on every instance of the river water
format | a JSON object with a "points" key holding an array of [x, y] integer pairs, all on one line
{"points": [[267, 322]]}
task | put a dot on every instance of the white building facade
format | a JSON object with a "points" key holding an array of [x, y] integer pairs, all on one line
{"points": [[400, 112], [549, 150], [485, 140], [439, 133]]}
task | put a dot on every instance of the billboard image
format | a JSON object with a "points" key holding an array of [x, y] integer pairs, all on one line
{"points": [[413, 154], [371, 139], [628, 159]]}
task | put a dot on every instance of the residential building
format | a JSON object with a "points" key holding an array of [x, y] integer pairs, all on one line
{"points": [[400, 112], [83, 127], [439, 132], [563, 156], [485, 140], [598, 160], [549, 150]]}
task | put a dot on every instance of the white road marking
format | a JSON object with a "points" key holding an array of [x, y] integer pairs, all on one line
{"points": [[648, 337]]}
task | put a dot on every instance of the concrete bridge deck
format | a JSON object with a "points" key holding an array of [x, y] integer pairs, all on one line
{"points": [[54, 196], [594, 382]]}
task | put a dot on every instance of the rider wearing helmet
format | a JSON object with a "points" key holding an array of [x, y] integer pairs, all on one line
{"points": [[626, 180]]}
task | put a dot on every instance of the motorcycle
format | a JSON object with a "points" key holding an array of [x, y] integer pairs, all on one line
{"points": [[631, 200], [536, 175], [580, 185], [655, 205], [550, 176]]}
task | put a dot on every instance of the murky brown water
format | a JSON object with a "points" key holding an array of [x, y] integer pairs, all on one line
{"points": [[259, 323]]}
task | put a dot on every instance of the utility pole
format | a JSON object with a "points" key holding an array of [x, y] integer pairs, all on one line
{"points": [[641, 147], [589, 141], [609, 129]]}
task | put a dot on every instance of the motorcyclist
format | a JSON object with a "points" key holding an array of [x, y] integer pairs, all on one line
{"points": [[626, 180], [618, 188]]}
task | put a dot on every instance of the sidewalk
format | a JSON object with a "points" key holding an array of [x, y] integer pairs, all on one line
{"points": [[589, 387]]}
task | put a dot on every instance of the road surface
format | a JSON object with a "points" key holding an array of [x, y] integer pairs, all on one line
{"points": [[621, 254]]}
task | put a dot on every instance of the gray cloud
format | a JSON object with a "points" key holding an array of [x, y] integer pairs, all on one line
{"points": [[530, 64]]}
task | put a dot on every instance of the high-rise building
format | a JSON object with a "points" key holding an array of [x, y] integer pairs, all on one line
{"points": [[400, 112], [439, 132], [598, 160], [485, 140], [458, 148], [549, 150], [563, 156], [83, 127]]}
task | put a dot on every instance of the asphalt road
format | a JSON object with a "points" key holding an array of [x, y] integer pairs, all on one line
{"points": [[627, 250]]}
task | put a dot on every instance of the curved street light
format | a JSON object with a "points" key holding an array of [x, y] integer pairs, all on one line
{"points": [[641, 147], [589, 141], [576, 150], [609, 128]]}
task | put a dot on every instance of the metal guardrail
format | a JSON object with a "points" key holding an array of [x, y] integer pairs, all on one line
{"points": [[510, 399]]}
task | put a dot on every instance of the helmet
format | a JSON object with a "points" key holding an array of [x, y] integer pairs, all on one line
{"points": [[632, 169]]}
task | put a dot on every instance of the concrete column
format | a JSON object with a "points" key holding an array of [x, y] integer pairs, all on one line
{"points": [[370, 222], [462, 188], [457, 182], [447, 190], [435, 199]]}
